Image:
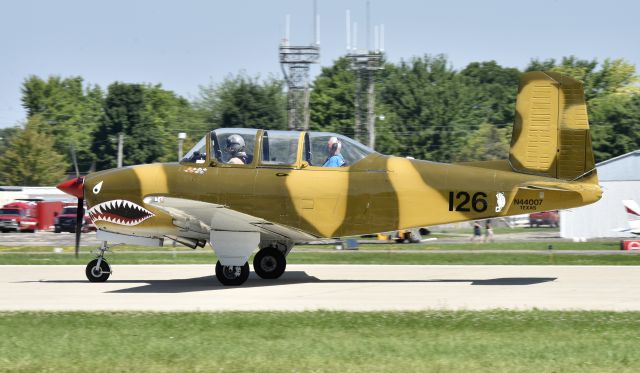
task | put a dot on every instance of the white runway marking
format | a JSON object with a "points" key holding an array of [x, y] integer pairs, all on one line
{"points": [[329, 287]]}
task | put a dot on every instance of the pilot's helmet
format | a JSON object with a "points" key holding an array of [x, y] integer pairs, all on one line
{"points": [[235, 144]]}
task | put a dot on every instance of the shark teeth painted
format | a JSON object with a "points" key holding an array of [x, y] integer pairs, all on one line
{"points": [[120, 211]]}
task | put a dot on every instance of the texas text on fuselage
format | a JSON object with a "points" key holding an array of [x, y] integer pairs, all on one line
{"points": [[282, 194]]}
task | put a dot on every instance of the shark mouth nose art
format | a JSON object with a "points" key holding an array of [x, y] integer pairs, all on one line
{"points": [[120, 211]]}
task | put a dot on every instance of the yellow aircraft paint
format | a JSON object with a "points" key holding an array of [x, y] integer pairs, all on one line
{"points": [[550, 166]]}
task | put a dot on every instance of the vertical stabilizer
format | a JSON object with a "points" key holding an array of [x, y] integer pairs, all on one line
{"points": [[551, 134]]}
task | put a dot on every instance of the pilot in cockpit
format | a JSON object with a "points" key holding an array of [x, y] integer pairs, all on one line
{"points": [[334, 158], [236, 148]]}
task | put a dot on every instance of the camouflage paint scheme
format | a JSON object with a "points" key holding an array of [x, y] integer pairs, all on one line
{"points": [[550, 167]]}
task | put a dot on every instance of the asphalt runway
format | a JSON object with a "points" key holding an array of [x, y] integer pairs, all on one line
{"points": [[326, 287]]}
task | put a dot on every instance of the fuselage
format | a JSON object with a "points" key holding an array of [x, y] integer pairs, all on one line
{"points": [[378, 193]]}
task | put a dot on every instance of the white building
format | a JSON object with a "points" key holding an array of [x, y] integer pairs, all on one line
{"points": [[11, 193], [620, 179]]}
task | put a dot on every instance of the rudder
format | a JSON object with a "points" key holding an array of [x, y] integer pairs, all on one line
{"points": [[551, 135]]}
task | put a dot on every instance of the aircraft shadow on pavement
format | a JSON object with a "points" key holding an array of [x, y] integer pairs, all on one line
{"points": [[208, 283]]}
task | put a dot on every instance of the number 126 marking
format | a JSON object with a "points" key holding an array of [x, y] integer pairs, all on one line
{"points": [[463, 201]]}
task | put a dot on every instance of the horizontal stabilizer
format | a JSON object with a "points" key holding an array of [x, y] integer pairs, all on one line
{"points": [[559, 186]]}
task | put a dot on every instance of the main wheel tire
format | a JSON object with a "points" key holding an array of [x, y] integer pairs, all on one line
{"points": [[98, 274], [269, 263], [232, 275]]}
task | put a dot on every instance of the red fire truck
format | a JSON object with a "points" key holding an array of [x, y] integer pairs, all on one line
{"points": [[28, 216]]}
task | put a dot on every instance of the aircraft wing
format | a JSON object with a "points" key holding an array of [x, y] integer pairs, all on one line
{"points": [[203, 217]]}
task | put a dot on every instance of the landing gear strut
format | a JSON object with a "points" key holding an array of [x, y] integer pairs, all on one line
{"points": [[232, 275], [269, 263], [98, 270]]}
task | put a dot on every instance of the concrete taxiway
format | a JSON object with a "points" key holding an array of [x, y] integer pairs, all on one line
{"points": [[328, 287]]}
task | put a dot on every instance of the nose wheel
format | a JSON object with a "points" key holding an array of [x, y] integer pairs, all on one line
{"points": [[98, 270], [232, 275]]}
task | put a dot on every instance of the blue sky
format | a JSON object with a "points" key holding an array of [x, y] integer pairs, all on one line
{"points": [[187, 43]]}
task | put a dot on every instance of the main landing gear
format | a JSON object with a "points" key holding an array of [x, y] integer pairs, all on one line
{"points": [[98, 270], [232, 275], [269, 263]]}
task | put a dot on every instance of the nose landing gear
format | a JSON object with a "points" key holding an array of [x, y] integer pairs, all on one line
{"points": [[98, 270]]}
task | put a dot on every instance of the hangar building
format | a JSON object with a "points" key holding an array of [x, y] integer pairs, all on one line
{"points": [[11, 193], [620, 180]]}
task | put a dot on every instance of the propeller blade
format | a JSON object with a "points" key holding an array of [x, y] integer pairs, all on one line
{"points": [[79, 221], [75, 187]]}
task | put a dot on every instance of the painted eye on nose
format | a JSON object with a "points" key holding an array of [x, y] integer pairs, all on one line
{"points": [[97, 188]]}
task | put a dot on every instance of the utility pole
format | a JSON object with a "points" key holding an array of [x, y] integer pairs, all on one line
{"points": [[120, 141], [295, 62], [181, 137], [365, 65], [73, 159]]}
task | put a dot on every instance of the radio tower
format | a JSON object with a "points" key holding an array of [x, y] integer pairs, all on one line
{"points": [[295, 62], [365, 64]]}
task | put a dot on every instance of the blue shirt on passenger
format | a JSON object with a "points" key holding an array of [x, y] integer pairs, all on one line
{"points": [[334, 161]]}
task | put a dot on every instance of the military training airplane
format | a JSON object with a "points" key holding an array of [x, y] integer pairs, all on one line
{"points": [[244, 189]]}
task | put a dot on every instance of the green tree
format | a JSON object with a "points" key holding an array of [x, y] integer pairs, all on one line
{"points": [[5, 137], [618, 130], [611, 77], [69, 112], [331, 102], [494, 90], [148, 116], [242, 101], [428, 108], [123, 110], [31, 159], [169, 114], [486, 143], [332, 105]]}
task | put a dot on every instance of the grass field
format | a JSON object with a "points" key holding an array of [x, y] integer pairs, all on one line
{"points": [[435, 245], [341, 258], [490, 341], [431, 245], [369, 254]]}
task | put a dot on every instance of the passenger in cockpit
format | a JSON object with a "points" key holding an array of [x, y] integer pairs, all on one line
{"points": [[236, 148], [334, 159]]}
